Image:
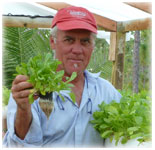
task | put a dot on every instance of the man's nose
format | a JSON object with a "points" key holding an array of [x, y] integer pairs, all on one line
{"points": [[77, 48]]}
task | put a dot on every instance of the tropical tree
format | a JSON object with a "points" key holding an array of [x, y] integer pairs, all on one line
{"points": [[144, 62], [19, 45], [128, 64], [136, 61]]}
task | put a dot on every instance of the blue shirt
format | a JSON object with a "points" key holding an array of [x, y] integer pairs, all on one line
{"points": [[68, 124]]}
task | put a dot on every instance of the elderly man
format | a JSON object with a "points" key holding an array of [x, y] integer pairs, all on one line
{"points": [[73, 38]]}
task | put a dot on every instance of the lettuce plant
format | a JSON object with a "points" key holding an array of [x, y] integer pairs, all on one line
{"points": [[43, 75], [129, 119]]}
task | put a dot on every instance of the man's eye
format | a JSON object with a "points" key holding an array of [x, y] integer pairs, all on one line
{"points": [[85, 41], [68, 40]]}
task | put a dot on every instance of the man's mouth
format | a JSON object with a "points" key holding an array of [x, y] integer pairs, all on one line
{"points": [[75, 60]]}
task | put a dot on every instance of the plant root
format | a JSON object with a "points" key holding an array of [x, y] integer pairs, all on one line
{"points": [[46, 106]]}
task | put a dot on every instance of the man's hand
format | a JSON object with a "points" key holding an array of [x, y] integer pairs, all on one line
{"points": [[20, 91]]}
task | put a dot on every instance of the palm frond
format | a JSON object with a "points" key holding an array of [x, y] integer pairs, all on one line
{"points": [[19, 45]]}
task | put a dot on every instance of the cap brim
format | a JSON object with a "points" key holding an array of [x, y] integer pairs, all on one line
{"points": [[76, 24]]}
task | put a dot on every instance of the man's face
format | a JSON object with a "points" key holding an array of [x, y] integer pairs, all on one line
{"points": [[74, 48]]}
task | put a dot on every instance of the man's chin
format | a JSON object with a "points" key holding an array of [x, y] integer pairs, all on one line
{"points": [[71, 70]]}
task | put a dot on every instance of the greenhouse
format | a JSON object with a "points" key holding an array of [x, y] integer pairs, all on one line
{"points": [[122, 55]]}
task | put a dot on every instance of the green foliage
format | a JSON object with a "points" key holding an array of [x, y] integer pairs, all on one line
{"points": [[129, 119], [99, 61], [19, 45], [6, 95], [43, 75], [128, 62], [145, 61]]}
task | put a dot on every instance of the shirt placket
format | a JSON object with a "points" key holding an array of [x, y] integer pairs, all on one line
{"points": [[78, 128]]}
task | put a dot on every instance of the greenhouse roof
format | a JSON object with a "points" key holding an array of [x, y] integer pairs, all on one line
{"points": [[107, 15], [117, 11], [27, 8]]}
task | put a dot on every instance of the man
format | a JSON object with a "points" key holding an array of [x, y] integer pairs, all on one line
{"points": [[72, 39]]}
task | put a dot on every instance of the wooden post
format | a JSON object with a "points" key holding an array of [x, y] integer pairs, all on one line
{"points": [[117, 49]]}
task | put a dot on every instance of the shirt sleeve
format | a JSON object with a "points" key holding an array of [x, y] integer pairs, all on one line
{"points": [[34, 136]]}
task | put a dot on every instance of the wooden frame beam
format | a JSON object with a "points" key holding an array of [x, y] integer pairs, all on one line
{"points": [[103, 22], [133, 25], [144, 6], [11, 21]]}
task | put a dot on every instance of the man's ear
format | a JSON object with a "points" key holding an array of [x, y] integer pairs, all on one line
{"points": [[52, 43]]}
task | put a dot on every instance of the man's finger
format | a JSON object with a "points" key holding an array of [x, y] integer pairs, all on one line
{"points": [[21, 86], [20, 78]]}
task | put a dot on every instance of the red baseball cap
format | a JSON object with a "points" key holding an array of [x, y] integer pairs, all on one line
{"points": [[74, 18]]}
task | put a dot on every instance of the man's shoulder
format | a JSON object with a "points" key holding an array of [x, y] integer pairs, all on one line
{"points": [[104, 88], [104, 82]]}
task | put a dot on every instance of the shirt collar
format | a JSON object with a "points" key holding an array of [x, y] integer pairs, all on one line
{"points": [[91, 80], [91, 77]]}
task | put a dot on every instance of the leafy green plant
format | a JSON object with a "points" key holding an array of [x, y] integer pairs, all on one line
{"points": [[129, 119], [43, 75], [19, 45], [6, 95]]}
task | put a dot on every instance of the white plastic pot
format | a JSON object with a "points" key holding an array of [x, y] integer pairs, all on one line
{"points": [[133, 143]]}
